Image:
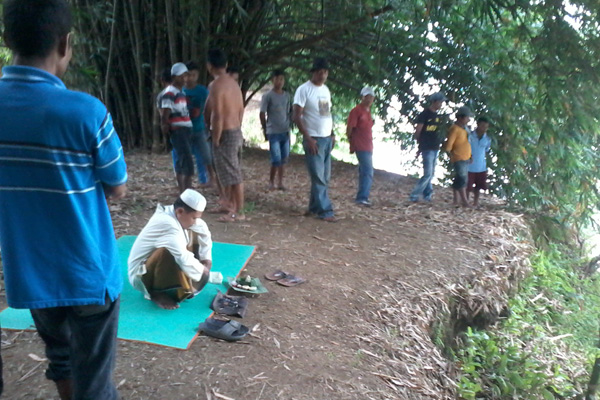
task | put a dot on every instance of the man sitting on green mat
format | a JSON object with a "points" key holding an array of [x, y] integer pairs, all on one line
{"points": [[171, 258]]}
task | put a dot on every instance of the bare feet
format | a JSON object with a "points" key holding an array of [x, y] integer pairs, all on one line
{"points": [[227, 218], [164, 301], [219, 210]]}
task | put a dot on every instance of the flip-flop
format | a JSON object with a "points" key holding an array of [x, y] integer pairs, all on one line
{"points": [[226, 330], [227, 218], [291, 280], [276, 275]]}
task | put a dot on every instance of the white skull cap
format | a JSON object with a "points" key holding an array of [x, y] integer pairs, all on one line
{"points": [[193, 199]]}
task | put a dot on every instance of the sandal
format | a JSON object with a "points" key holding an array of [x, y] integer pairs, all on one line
{"points": [[291, 280], [276, 275], [225, 330]]}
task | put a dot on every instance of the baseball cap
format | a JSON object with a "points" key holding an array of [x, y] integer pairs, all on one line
{"points": [[178, 69], [439, 96], [193, 199], [464, 111], [367, 91]]}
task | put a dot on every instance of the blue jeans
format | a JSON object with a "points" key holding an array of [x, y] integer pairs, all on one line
{"points": [[279, 148], [319, 169], [199, 154], [81, 344], [365, 174], [424, 187]]}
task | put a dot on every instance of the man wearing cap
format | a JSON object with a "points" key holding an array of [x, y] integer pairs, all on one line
{"points": [[480, 146], [312, 115], [61, 161], [177, 125], [429, 139], [457, 144], [275, 117], [224, 114], [360, 135], [171, 258]]}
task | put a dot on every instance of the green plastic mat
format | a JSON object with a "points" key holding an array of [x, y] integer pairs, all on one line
{"points": [[143, 321]]}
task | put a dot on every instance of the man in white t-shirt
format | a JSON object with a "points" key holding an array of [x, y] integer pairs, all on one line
{"points": [[312, 115]]}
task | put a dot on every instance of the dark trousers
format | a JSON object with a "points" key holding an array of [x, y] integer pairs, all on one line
{"points": [[1, 377], [81, 346]]}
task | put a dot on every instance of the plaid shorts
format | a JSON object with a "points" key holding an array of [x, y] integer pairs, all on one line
{"points": [[228, 157]]}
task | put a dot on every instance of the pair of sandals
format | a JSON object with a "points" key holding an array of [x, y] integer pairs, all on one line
{"points": [[228, 330], [284, 279], [236, 306]]}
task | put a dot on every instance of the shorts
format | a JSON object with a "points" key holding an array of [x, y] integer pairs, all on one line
{"points": [[279, 148], [477, 180], [180, 139], [228, 157], [461, 171]]}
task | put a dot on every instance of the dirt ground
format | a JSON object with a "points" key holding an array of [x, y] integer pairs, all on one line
{"points": [[313, 341]]}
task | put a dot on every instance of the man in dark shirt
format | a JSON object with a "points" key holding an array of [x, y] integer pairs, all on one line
{"points": [[429, 140]]}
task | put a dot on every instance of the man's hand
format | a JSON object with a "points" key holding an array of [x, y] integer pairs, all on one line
{"points": [[114, 192], [311, 143], [332, 141]]}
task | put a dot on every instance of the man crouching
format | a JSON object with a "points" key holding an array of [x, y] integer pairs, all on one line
{"points": [[171, 258]]}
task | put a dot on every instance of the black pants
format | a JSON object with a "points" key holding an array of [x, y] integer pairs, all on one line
{"points": [[181, 141], [81, 346]]}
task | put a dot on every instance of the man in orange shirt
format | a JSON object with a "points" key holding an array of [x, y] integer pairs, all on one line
{"points": [[360, 136], [457, 144]]}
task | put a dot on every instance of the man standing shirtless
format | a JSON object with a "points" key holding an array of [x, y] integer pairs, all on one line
{"points": [[224, 113]]}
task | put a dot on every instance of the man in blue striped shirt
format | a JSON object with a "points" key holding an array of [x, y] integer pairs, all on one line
{"points": [[60, 160]]}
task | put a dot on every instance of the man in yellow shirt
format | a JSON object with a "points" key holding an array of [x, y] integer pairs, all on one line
{"points": [[457, 144]]}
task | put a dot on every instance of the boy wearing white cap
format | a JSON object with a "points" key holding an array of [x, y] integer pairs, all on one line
{"points": [[360, 136], [171, 258], [176, 124]]}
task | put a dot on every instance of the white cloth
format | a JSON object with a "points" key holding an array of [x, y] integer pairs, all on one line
{"points": [[316, 102], [164, 231]]}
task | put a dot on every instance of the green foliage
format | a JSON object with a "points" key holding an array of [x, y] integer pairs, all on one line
{"points": [[540, 350], [532, 66]]}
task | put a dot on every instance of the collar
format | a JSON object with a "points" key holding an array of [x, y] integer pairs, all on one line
{"points": [[30, 74]]}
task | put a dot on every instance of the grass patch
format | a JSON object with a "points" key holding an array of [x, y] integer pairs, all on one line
{"points": [[545, 348]]}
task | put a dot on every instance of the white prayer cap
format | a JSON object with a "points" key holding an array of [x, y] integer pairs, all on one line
{"points": [[367, 91], [178, 69], [193, 199]]}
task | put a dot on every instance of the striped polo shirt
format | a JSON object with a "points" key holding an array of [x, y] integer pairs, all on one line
{"points": [[176, 101], [57, 149]]}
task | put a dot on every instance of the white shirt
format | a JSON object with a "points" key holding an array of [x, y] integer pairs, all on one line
{"points": [[316, 102], [164, 231]]}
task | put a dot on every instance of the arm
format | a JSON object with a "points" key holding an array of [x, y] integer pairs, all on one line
{"points": [[418, 130], [450, 140], [114, 192], [263, 123], [175, 242], [164, 120], [310, 142], [351, 128]]}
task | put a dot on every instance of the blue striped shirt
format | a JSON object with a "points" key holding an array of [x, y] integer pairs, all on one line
{"points": [[57, 149]]}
